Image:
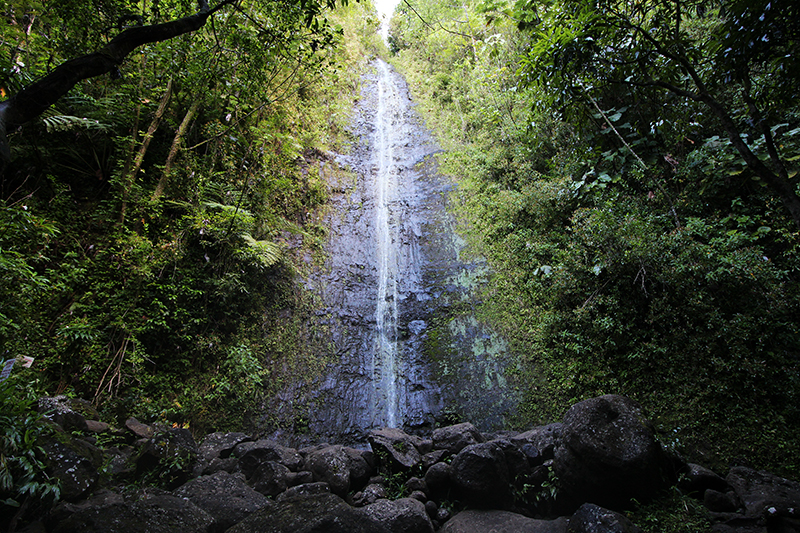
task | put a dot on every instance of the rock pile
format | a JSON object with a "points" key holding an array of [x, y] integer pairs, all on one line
{"points": [[575, 476]]}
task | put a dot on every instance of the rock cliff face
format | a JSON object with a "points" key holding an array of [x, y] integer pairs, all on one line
{"points": [[574, 476], [395, 298]]}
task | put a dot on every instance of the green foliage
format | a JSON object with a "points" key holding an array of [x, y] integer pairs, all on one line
{"points": [[150, 264], [634, 250], [25, 487], [672, 513]]}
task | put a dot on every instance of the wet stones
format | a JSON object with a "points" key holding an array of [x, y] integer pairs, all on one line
{"points": [[405, 515], [413, 484]]}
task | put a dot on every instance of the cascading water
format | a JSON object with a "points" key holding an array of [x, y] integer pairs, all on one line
{"points": [[395, 298], [385, 354]]}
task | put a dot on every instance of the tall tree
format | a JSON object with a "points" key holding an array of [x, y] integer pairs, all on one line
{"points": [[35, 98], [739, 59]]}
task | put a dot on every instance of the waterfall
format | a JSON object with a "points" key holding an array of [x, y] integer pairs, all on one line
{"points": [[384, 360], [395, 298]]}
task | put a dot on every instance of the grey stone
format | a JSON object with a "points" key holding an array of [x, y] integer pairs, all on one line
{"points": [[396, 446], [453, 439], [371, 493], [307, 489], [543, 438], [405, 515], [270, 478], [761, 492], [146, 512], [225, 497], [591, 518], [319, 513], [252, 454], [299, 478], [475, 521], [331, 464]]}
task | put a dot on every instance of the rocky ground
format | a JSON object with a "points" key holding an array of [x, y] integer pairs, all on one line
{"points": [[575, 476]]}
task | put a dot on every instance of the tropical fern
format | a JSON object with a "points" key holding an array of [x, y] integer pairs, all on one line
{"points": [[263, 253], [67, 122]]}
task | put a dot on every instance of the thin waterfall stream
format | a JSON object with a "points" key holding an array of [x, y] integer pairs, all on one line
{"points": [[386, 174], [396, 302]]}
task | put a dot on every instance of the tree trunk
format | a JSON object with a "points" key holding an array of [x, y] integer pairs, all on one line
{"points": [[173, 151], [137, 163]]}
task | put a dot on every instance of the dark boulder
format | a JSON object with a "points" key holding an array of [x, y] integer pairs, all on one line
{"points": [[437, 477], [69, 413], [542, 438], [270, 478], [361, 464], [229, 465], [371, 494], [143, 431], [330, 464], [608, 454], [453, 439], [299, 478], [75, 463], [225, 497], [765, 495], [152, 511], [305, 490], [405, 515], [93, 426], [474, 521], [720, 502], [395, 448], [591, 518], [171, 455], [218, 445], [480, 474], [697, 479], [320, 513], [252, 454]]}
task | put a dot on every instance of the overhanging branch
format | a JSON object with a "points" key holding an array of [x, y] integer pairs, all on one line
{"points": [[34, 99]]}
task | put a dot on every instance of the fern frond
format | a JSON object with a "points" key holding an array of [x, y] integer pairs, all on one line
{"points": [[265, 253], [68, 122], [232, 209]]}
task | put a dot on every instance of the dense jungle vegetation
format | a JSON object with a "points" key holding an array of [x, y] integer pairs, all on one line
{"points": [[153, 221], [630, 171]]}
